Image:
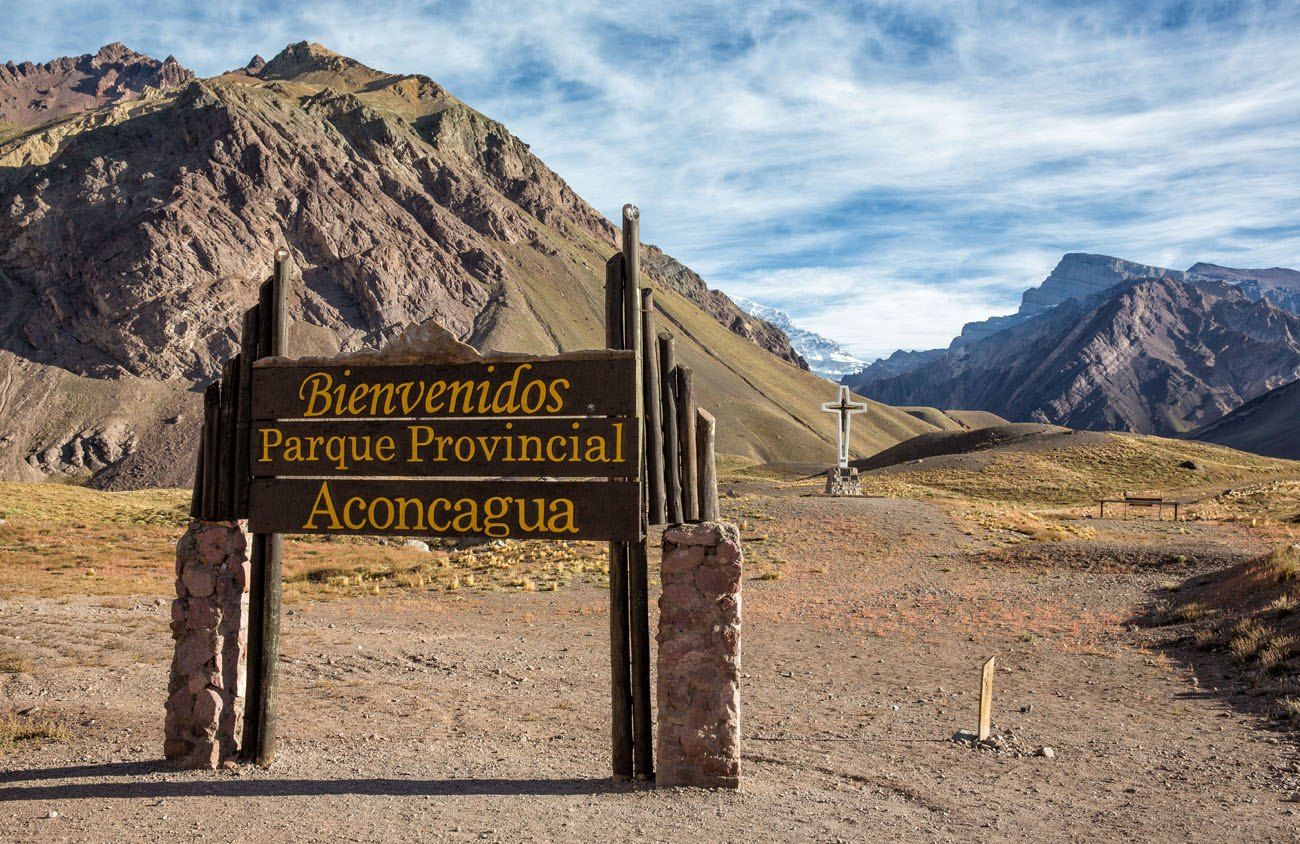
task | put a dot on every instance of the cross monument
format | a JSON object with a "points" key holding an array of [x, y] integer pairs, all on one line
{"points": [[845, 407]]}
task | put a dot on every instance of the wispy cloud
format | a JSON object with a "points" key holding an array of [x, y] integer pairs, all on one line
{"points": [[883, 171]]}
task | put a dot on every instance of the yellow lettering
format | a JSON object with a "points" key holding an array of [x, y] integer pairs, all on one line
{"points": [[320, 400], [324, 506], [267, 445]]}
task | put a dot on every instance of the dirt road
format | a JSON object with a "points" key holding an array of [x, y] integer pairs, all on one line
{"points": [[484, 717]]}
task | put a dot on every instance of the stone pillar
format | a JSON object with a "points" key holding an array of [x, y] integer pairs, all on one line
{"points": [[843, 482], [699, 656], [205, 703]]}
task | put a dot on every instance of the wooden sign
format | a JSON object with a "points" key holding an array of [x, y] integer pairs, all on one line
{"points": [[363, 449], [493, 509], [600, 385], [597, 447]]}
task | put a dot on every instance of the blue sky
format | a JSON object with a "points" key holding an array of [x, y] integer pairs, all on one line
{"points": [[882, 171]]}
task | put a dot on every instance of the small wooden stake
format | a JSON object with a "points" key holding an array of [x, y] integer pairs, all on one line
{"points": [[986, 699], [672, 445], [686, 431], [705, 426]]}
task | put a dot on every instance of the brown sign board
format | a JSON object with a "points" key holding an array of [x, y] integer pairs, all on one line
{"points": [[494, 509], [600, 385], [596, 447]]}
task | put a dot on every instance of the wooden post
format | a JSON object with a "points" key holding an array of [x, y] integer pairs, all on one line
{"points": [[986, 699], [638, 573], [686, 431], [620, 648], [254, 702], [196, 495], [274, 544], [654, 434], [244, 418], [226, 442], [211, 435], [705, 437], [672, 445]]}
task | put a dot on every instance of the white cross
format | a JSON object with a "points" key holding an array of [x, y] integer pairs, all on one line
{"points": [[845, 408]]}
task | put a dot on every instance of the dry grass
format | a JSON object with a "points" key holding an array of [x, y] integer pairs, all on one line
{"points": [[1167, 614], [60, 539], [12, 663], [1284, 563], [68, 540], [316, 569], [1079, 475], [19, 730]]}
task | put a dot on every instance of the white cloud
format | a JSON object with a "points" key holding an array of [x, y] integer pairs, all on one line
{"points": [[872, 152]]}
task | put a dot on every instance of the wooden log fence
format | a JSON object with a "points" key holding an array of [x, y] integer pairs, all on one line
{"points": [[676, 466]]}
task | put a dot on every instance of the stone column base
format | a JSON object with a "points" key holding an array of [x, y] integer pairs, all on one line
{"points": [[205, 703], [699, 656], [843, 482]]}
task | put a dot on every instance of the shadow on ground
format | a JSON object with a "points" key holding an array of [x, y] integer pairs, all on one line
{"points": [[216, 785]]}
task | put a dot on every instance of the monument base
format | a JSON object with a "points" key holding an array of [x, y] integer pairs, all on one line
{"points": [[843, 482]]}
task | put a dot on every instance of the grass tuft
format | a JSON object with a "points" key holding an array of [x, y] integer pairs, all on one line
{"points": [[17, 730]]}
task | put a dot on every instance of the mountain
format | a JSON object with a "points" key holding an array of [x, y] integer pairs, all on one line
{"points": [[1151, 355], [31, 94], [824, 357], [1081, 274], [896, 364], [1279, 285], [134, 233], [1076, 275], [1265, 425]]}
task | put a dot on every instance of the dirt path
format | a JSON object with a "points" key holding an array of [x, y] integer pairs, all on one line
{"points": [[485, 716]]}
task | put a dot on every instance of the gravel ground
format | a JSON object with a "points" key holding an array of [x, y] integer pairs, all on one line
{"points": [[484, 717]]}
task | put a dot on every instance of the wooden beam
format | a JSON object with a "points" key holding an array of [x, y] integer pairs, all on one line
{"points": [[196, 495], [254, 702], [705, 439], [672, 445], [243, 418], [211, 461], [686, 431], [620, 647], [638, 574], [226, 441], [656, 500]]}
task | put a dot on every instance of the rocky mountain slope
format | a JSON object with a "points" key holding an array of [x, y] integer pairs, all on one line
{"points": [[1279, 285], [824, 356], [133, 235], [31, 94], [1268, 425], [1076, 275], [1152, 355]]}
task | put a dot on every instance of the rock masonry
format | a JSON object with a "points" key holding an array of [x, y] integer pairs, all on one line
{"points": [[205, 703], [843, 482], [699, 656]]}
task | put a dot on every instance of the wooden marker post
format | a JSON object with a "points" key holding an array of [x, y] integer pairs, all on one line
{"points": [[705, 426], [986, 699]]}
